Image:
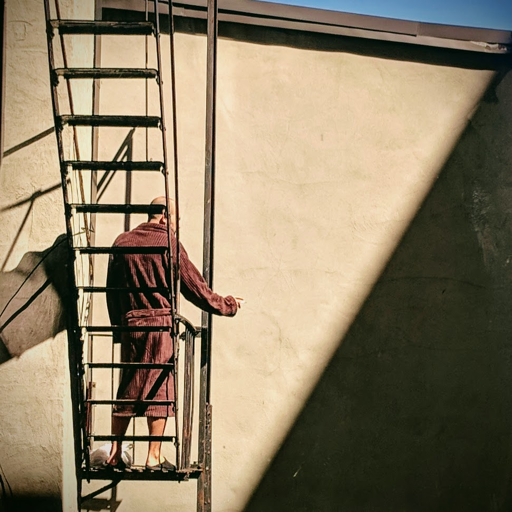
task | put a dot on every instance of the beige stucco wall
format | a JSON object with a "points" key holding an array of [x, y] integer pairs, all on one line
{"points": [[324, 159], [35, 421]]}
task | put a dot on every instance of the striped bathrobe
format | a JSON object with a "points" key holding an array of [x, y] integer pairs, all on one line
{"points": [[152, 309]]}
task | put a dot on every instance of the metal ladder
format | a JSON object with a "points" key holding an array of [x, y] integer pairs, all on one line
{"points": [[82, 208]]}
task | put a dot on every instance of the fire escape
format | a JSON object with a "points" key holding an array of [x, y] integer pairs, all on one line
{"points": [[93, 347]]}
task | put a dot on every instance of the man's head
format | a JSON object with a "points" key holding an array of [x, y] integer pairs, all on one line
{"points": [[161, 217]]}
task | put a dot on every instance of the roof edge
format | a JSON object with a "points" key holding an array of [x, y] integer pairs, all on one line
{"points": [[269, 14]]}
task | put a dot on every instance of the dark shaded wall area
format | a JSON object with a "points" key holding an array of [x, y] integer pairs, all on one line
{"points": [[413, 413]]}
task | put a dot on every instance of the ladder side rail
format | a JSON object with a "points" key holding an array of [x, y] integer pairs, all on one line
{"points": [[168, 213], [89, 374], [177, 277], [146, 84], [95, 102], [146, 106], [74, 338], [96, 89]]}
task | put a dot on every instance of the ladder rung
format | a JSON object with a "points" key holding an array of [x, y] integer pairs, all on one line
{"points": [[128, 121], [124, 401], [140, 474], [121, 250], [136, 366], [132, 438], [84, 165], [103, 27], [103, 289], [126, 328], [106, 72], [117, 208]]}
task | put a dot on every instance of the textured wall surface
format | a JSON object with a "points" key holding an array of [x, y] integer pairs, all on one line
{"points": [[327, 152], [35, 434], [362, 212], [413, 410]]}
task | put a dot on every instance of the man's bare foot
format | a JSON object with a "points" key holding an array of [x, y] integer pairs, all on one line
{"points": [[152, 461], [113, 459], [163, 465]]}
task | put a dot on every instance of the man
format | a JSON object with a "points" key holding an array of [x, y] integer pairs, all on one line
{"points": [[150, 308]]}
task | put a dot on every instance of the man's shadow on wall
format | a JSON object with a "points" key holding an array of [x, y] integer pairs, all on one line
{"points": [[33, 299], [413, 413]]}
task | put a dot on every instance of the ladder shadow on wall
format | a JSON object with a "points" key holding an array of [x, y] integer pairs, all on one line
{"points": [[414, 412], [33, 296]]}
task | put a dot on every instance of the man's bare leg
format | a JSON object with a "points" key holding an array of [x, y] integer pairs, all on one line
{"points": [[119, 427], [156, 427]]}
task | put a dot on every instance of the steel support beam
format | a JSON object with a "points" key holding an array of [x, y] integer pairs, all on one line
{"points": [[204, 497]]}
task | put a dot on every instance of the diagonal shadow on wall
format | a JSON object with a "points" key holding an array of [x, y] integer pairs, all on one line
{"points": [[413, 412], [30, 202], [38, 287], [28, 142]]}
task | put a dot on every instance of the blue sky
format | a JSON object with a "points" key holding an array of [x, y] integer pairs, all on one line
{"points": [[469, 13]]}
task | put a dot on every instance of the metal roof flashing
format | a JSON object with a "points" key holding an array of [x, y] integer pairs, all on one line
{"points": [[268, 14]]}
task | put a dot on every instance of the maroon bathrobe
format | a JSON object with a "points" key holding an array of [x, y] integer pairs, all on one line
{"points": [[152, 309]]}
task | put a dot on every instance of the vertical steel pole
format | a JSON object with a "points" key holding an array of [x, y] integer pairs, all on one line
{"points": [[204, 494]]}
